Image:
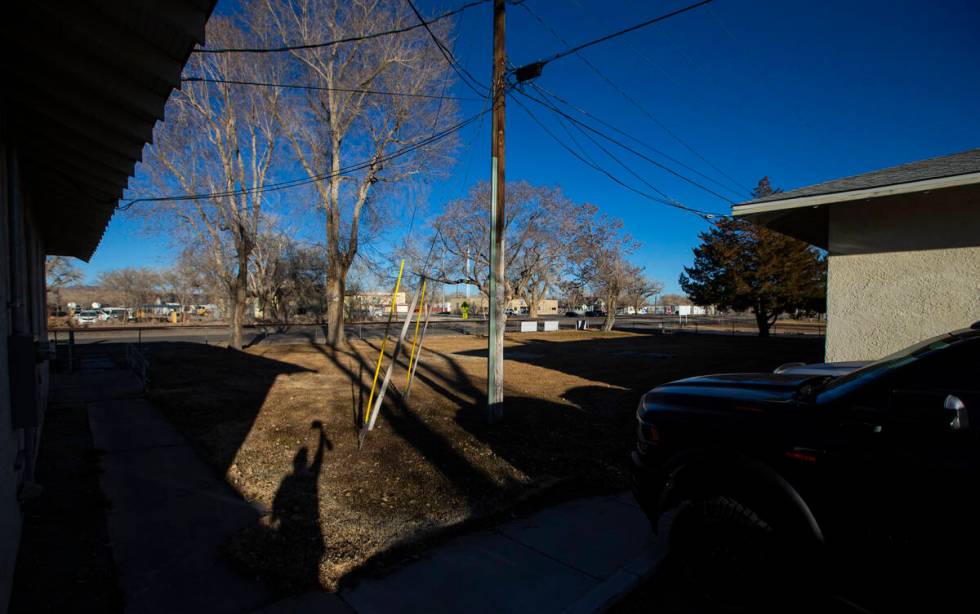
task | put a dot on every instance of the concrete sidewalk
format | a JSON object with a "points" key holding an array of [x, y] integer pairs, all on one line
{"points": [[170, 515], [580, 556]]}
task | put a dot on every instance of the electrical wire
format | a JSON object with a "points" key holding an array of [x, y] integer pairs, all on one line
{"points": [[639, 107], [460, 70], [742, 187], [617, 160], [291, 183], [349, 39], [670, 203], [640, 142], [435, 238], [613, 35], [627, 148], [298, 86]]}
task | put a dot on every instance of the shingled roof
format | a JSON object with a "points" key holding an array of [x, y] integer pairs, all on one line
{"points": [[804, 213], [933, 168]]}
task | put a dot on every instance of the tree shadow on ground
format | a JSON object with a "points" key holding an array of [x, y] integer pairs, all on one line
{"points": [[642, 361], [568, 440], [440, 451], [582, 435], [571, 443]]}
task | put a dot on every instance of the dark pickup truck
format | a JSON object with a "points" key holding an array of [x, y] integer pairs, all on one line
{"points": [[866, 485]]}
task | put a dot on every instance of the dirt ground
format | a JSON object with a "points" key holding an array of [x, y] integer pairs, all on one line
{"points": [[278, 422]]}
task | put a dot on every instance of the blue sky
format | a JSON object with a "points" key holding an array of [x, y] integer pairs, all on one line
{"points": [[799, 91]]}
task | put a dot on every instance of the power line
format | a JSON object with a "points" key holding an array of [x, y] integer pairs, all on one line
{"points": [[618, 161], [349, 39], [657, 199], [625, 166], [599, 18], [460, 70], [602, 39], [291, 183], [299, 86], [640, 142], [438, 234], [628, 148], [643, 110]]}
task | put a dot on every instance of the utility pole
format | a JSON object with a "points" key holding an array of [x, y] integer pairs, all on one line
{"points": [[495, 355]]}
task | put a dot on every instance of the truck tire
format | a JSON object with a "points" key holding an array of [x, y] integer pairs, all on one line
{"points": [[725, 554]]}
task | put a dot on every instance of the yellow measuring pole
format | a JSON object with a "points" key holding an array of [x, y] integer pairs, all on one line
{"points": [[384, 340], [415, 338]]}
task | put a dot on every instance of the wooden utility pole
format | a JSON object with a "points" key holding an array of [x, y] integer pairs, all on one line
{"points": [[495, 361]]}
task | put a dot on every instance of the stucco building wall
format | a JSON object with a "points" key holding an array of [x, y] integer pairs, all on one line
{"points": [[900, 272]]}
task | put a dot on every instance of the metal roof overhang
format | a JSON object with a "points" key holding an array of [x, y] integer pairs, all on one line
{"points": [[87, 82], [807, 217]]}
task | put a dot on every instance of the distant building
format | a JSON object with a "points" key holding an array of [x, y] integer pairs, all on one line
{"points": [[478, 304], [374, 304], [694, 310], [903, 248], [681, 310]]}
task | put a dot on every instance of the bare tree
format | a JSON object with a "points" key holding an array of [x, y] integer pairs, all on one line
{"points": [[599, 257], [184, 280], [60, 273], [308, 279], [539, 226], [137, 286], [269, 277], [219, 139], [571, 293], [675, 299], [343, 137], [639, 288]]}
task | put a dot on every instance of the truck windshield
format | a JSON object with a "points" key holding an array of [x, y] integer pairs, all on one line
{"points": [[840, 385]]}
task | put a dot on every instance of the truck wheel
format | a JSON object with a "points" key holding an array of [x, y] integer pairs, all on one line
{"points": [[725, 554]]}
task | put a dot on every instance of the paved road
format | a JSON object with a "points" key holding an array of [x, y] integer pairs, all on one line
{"points": [[252, 335], [307, 333]]}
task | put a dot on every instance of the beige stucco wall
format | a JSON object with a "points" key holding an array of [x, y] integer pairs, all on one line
{"points": [[901, 271], [879, 303]]}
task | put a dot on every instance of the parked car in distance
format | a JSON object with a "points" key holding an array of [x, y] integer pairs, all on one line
{"points": [[573, 314], [863, 484], [88, 316], [115, 313], [595, 313]]}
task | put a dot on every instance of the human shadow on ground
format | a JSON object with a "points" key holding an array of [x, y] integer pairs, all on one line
{"points": [[290, 542]]}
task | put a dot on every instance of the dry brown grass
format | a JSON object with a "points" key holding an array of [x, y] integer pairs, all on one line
{"points": [[278, 423]]}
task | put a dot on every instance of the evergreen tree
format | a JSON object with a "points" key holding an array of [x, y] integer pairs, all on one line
{"points": [[744, 266]]}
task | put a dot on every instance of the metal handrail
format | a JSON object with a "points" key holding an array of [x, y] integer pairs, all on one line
{"points": [[138, 363]]}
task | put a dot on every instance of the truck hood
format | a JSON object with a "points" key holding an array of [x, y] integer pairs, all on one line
{"points": [[749, 392]]}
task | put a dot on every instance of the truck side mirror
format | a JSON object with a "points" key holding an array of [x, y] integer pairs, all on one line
{"points": [[961, 419]]}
